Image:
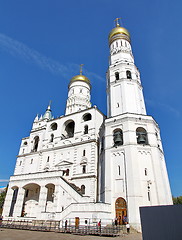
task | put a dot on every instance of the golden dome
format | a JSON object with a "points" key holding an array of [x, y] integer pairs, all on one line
{"points": [[118, 30], [80, 78]]}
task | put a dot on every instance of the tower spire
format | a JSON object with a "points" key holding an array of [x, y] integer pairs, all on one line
{"points": [[117, 22], [48, 114], [49, 106]]}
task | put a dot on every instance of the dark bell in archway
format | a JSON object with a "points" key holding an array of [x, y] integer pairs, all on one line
{"points": [[118, 138], [141, 139]]}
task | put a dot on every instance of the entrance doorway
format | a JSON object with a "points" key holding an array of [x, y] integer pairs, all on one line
{"points": [[77, 222], [121, 210]]}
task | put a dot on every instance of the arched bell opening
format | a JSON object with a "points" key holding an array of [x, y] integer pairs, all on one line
{"points": [[68, 129], [31, 200], [141, 135], [54, 126], [36, 144], [87, 117], [121, 211], [118, 137], [13, 201], [50, 197]]}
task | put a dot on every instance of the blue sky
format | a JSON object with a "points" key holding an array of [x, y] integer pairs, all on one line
{"points": [[42, 43]]}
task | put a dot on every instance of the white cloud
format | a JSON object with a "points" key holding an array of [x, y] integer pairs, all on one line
{"points": [[18, 49], [4, 180]]}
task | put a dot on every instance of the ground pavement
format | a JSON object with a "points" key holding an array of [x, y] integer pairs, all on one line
{"points": [[11, 234]]}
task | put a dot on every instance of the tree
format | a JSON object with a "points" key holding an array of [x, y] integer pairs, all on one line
{"points": [[2, 199], [177, 200]]}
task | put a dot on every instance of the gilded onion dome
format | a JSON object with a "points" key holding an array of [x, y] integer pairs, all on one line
{"points": [[80, 78], [118, 32]]}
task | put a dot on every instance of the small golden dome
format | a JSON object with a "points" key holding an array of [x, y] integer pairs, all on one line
{"points": [[80, 78], [118, 30]]}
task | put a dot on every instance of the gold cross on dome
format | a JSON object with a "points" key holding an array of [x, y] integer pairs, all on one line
{"points": [[81, 68], [117, 22]]}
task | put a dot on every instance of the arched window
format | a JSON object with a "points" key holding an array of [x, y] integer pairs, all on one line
{"points": [[102, 143], [87, 117], [36, 143], [84, 169], [52, 138], [116, 44], [54, 126], [67, 172], [69, 129], [83, 189], [128, 74], [118, 137], [86, 129], [141, 135], [117, 75]]}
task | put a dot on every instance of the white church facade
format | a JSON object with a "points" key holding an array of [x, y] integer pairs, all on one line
{"points": [[86, 166]]}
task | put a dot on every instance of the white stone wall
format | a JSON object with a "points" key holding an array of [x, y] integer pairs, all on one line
{"points": [[142, 166]]}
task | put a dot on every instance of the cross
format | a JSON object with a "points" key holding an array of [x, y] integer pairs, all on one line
{"points": [[81, 68], [117, 22], [50, 102]]}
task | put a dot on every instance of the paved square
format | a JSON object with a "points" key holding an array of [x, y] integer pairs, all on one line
{"points": [[11, 234]]}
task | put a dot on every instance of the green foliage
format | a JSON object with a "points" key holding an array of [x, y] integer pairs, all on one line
{"points": [[2, 198], [177, 200]]}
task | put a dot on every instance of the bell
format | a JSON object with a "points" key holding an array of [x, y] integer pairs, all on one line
{"points": [[141, 139], [118, 139]]}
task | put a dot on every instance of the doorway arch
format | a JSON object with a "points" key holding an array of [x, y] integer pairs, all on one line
{"points": [[121, 210]]}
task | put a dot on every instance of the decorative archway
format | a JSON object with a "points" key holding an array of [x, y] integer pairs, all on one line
{"points": [[121, 210], [31, 200]]}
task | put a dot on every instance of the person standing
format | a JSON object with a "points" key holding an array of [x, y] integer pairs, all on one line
{"points": [[66, 225], [99, 226], [128, 227], [116, 221]]}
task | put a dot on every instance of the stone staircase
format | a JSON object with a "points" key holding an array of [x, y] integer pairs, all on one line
{"points": [[76, 188]]}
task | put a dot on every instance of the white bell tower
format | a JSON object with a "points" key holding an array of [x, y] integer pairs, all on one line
{"points": [[133, 170], [124, 89], [78, 93]]}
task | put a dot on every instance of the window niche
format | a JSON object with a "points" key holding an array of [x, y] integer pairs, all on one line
{"points": [[52, 138], [128, 74], [141, 135], [117, 75], [118, 137], [84, 169], [86, 129], [82, 189]]}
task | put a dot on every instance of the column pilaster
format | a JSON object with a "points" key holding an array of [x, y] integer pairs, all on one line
{"points": [[42, 199], [19, 202], [8, 201]]}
